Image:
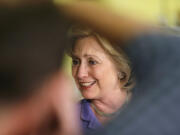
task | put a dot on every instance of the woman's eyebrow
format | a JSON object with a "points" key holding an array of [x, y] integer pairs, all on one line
{"points": [[85, 55], [90, 55]]}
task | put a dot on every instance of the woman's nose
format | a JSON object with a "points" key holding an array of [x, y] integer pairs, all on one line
{"points": [[82, 71]]}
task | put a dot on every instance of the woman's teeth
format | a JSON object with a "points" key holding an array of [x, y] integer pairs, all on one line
{"points": [[86, 84]]}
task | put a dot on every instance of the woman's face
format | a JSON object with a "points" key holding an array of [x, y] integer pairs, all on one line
{"points": [[93, 70]]}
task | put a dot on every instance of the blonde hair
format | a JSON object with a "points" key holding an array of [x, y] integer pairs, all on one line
{"points": [[116, 53]]}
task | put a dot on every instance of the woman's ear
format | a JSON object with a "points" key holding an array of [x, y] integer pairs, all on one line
{"points": [[121, 75]]}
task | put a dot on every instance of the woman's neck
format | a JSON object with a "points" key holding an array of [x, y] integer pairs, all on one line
{"points": [[108, 105]]}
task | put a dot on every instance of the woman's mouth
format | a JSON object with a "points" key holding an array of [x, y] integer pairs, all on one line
{"points": [[86, 85]]}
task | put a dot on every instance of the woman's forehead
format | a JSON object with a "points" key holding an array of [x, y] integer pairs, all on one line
{"points": [[88, 46]]}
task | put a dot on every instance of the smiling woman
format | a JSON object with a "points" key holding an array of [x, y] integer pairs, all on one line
{"points": [[102, 73]]}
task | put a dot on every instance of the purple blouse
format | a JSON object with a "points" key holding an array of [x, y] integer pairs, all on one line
{"points": [[87, 116]]}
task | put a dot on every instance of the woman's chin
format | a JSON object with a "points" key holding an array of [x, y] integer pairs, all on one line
{"points": [[88, 95]]}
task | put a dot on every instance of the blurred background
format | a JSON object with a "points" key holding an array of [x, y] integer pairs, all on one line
{"points": [[164, 12]]}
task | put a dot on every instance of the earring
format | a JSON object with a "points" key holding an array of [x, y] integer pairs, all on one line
{"points": [[121, 75]]}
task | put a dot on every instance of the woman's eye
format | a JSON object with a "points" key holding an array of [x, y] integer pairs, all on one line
{"points": [[92, 62], [75, 62]]}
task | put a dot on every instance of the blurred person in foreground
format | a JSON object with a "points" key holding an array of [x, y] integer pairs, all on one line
{"points": [[155, 55], [36, 97], [102, 74]]}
